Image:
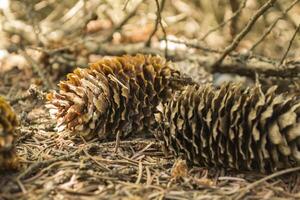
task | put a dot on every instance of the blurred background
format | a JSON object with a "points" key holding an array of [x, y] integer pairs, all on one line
{"points": [[59, 35]]}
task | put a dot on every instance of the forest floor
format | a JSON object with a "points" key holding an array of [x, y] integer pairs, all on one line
{"points": [[41, 41], [62, 166]]}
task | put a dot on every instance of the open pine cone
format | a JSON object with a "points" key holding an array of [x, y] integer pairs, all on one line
{"points": [[8, 122], [114, 95], [233, 128]]}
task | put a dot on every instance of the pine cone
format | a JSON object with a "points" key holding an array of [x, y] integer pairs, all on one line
{"points": [[8, 122], [117, 94], [230, 127]]}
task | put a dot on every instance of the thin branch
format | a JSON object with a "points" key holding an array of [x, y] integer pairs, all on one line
{"points": [[125, 4], [157, 21], [290, 44], [286, 15], [265, 34], [30, 14], [162, 27], [235, 14], [244, 65], [250, 67], [246, 30], [270, 28], [122, 23], [234, 4]]}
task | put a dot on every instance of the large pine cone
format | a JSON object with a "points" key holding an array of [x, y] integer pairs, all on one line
{"points": [[117, 94], [230, 127], [8, 122]]}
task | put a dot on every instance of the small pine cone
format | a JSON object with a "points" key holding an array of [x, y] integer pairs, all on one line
{"points": [[114, 95], [8, 122], [231, 127]]}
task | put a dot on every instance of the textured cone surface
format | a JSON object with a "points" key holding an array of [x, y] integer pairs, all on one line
{"points": [[114, 95], [8, 122], [230, 127]]}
